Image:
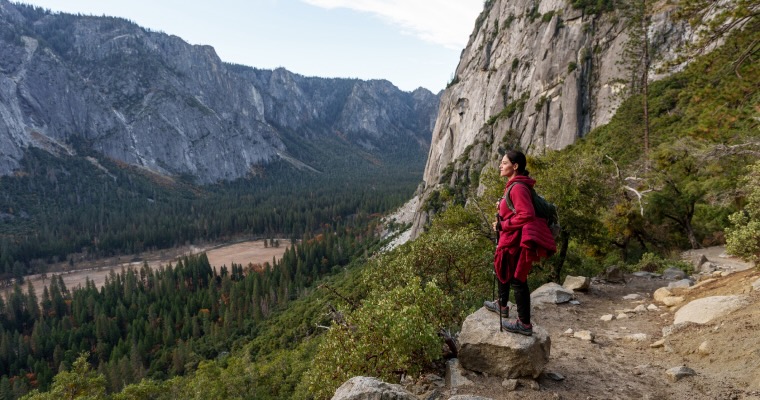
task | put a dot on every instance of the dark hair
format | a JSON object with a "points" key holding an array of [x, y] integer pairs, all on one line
{"points": [[517, 157]]}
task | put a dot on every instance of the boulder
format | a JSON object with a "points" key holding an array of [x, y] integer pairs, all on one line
{"points": [[366, 388], [550, 293], [706, 309], [508, 355], [579, 283], [614, 274], [673, 274], [661, 293]]}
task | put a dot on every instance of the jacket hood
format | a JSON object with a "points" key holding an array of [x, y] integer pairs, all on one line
{"points": [[523, 179]]}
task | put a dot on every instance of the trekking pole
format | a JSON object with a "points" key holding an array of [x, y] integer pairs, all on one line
{"points": [[493, 291]]}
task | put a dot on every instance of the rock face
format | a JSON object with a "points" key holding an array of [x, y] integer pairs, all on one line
{"points": [[74, 83], [534, 75], [364, 388], [504, 354]]}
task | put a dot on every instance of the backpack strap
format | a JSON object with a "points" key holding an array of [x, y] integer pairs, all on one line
{"points": [[509, 200]]}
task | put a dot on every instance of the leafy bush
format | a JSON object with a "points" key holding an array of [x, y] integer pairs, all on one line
{"points": [[395, 331], [651, 262], [743, 236]]}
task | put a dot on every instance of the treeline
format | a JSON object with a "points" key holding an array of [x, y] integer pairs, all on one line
{"points": [[61, 206], [146, 323]]}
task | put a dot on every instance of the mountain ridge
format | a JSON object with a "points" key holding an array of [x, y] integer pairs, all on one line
{"points": [[153, 100]]}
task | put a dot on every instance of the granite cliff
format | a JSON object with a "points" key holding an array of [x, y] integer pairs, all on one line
{"points": [[534, 75], [74, 84]]}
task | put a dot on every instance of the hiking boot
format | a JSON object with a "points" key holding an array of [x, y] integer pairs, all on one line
{"points": [[517, 326], [493, 306]]}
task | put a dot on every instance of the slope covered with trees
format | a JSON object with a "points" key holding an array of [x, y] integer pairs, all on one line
{"points": [[389, 315]]}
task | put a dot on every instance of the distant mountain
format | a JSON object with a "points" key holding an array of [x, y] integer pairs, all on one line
{"points": [[74, 84]]}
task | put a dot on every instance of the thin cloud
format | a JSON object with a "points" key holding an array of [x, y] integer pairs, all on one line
{"points": [[448, 23]]}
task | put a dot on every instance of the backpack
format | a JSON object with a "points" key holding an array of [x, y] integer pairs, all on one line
{"points": [[544, 209]]}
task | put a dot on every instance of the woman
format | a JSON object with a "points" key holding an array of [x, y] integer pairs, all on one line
{"points": [[523, 240]]}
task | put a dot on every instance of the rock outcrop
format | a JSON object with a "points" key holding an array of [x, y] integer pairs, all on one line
{"points": [[534, 75], [484, 349], [73, 84], [706, 309], [364, 388]]}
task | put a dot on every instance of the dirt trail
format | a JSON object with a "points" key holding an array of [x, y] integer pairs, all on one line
{"points": [[612, 367]]}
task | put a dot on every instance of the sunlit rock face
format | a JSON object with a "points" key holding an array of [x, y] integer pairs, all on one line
{"points": [[534, 76]]}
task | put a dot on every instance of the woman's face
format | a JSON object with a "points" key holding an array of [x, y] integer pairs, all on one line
{"points": [[506, 168]]}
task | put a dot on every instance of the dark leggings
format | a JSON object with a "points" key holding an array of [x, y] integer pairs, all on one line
{"points": [[522, 292]]}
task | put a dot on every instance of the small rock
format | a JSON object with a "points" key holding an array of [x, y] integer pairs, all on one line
{"points": [[632, 296], [704, 348], [653, 307], [622, 316], [531, 384], [645, 274], [725, 273], [676, 373], [568, 332], [584, 335], [575, 302], [607, 317], [701, 260], [673, 274], [510, 384], [717, 274], [661, 293], [756, 285], [556, 376], [640, 308], [672, 300], [454, 375], [657, 344], [683, 283], [707, 268], [579, 283], [636, 337]]}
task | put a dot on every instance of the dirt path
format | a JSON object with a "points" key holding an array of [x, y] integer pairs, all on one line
{"points": [[240, 253], [614, 367]]}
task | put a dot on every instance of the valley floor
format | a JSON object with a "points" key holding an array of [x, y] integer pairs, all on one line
{"points": [[254, 252]]}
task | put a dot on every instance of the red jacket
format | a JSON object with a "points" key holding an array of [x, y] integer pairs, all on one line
{"points": [[521, 230]]}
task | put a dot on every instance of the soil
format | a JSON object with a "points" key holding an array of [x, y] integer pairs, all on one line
{"points": [[253, 252], [611, 367]]}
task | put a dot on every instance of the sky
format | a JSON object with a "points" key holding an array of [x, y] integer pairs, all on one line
{"points": [[411, 43]]}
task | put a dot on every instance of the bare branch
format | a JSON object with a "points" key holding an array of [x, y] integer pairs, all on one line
{"points": [[745, 149]]}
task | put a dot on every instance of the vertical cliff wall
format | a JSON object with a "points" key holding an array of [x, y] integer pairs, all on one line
{"points": [[535, 75]]}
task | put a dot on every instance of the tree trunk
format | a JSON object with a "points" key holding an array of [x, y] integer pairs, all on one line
{"points": [[565, 240], [645, 83], [690, 234]]}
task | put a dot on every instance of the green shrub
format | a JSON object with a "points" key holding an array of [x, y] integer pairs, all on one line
{"points": [[743, 236], [394, 332]]}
